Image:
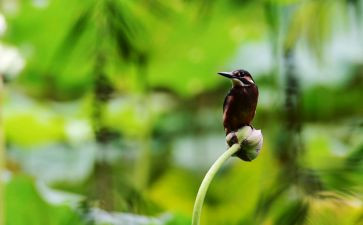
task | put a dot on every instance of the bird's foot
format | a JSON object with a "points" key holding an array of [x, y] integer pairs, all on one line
{"points": [[234, 137], [231, 138], [250, 126]]}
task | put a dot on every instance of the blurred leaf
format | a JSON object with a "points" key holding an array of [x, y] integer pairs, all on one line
{"points": [[267, 199], [30, 129], [25, 206], [294, 214]]}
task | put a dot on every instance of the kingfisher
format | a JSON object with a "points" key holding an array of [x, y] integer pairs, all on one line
{"points": [[239, 105]]}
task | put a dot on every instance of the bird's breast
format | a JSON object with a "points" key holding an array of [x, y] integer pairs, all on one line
{"points": [[240, 106]]}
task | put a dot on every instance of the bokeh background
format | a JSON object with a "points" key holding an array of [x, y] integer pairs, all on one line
{"points": [[112, 111]]}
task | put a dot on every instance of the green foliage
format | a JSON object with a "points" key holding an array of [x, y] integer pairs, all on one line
{"points": [[25, 206], [119, 102]]}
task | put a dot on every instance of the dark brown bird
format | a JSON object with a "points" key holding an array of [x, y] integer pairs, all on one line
{"points": [[239, 106]]}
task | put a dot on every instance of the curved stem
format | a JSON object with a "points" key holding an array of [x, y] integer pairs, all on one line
{"points": [[207, 180]]}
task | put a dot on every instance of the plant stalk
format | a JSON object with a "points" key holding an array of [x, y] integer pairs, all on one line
{"points": [[208, 179], [2, 157]]}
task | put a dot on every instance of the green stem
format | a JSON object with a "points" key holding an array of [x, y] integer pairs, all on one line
{"points": [[2, 157], [207, 180]]}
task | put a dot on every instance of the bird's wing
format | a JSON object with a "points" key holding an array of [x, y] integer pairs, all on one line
{"points": [[226, 99]]}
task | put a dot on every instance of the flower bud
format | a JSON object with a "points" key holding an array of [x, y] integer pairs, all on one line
{"points": [[253, 144], [244, 132], [250, 140]]}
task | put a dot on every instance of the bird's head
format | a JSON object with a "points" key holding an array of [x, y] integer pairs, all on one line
{"points": [[239, 77]]}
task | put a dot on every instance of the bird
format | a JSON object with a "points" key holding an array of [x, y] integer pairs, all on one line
{"points": [[239, 107]]}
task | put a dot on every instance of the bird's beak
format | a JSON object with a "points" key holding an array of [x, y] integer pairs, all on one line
{"points": [[226, 74]]}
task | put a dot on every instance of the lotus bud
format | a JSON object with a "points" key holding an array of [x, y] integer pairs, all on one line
{"points": [[244, 132], [250, 140]]}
